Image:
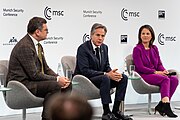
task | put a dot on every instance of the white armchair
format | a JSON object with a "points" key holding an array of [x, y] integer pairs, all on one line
{"points": [[140, 86], [85, 87], [19, 97]]}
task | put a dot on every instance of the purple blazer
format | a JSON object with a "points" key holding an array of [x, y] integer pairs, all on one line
{"points": [[147, 61]]}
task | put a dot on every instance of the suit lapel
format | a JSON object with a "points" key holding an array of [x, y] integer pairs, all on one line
{"points": [[93, 54], [31, 43], [32, 46]]}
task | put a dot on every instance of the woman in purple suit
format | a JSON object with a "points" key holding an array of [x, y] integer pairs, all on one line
{"points": [[148, 64]]}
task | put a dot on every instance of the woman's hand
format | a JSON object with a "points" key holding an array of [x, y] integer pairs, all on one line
{"points": [[165, 72]]}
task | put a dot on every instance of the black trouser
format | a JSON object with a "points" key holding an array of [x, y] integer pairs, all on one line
{"points": [[104, 83]]}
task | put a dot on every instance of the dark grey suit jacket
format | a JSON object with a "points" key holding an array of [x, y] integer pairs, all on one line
{"points": [[87, 63], [25, 66]]}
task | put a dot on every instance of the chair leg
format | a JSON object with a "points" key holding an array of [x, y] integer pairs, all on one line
{"points": [[121, 107], [149, 104], [24, 114]]}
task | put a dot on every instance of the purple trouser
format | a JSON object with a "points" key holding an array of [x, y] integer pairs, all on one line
{"points": [[167, 84]]}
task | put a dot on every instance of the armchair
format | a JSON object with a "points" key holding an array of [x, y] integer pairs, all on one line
{"points": [[85, 86], [140, 86], [19, 97]]}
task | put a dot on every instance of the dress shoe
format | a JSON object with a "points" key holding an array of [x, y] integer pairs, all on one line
{"points": [[109, 116], [121, 116]]}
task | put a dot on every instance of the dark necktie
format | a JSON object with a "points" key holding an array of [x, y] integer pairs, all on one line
{"points": [[98, 54], [40, 55]]}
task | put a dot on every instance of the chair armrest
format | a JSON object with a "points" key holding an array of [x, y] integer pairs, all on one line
{"points": [[142, 87], [173, 70], [85, 87], [20, 97]]}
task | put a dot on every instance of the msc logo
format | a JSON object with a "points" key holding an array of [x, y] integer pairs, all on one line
{"points": [[86, 37], [125, 14], [162, 39], [161, 14], [48, 13], [124, 39]]}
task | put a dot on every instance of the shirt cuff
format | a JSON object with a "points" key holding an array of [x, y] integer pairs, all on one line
{"points": [[58, 78]]}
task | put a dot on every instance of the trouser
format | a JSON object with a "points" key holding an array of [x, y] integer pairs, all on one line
{"points": [[46, 90], [167, 84], [104, 83]]}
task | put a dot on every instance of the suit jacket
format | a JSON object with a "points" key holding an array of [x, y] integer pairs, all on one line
{"points": [[87, 63], [144, 63], [24, 64]]}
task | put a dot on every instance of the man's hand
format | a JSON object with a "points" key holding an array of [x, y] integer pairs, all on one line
{"points": [[64, 82], [114, 75]]}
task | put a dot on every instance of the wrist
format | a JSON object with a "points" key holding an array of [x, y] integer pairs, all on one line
{"points": [[106, 73]]}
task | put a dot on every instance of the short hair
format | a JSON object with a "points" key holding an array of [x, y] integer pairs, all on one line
{"points": [[96, 26], [35, 23], [151, 31], [65, 107]]}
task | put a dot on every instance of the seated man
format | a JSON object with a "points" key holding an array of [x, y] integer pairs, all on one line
{"points": [[27, 65], [93, 62]]}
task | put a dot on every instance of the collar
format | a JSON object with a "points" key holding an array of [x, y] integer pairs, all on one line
{"points": [[94, 46], [34, 40], [35, 43]]}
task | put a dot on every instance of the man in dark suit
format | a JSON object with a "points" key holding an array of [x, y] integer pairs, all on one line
{"points": [[27, 65], [94, 64]]}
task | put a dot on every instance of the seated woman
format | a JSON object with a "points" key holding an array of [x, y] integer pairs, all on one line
{"points": [[148, 64]]}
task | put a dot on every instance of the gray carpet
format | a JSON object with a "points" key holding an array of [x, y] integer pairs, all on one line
{"points": [[139, 112]]}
